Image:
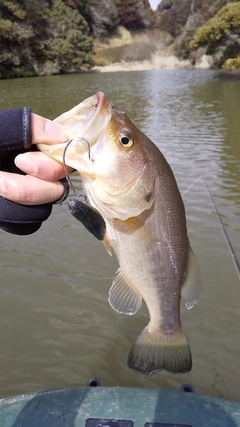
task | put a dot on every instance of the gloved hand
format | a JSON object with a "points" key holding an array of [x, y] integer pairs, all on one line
{"points": [[16, 138]]}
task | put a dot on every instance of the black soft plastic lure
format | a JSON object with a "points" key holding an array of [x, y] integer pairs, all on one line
{"points": [[83, 211], [89, 217]]}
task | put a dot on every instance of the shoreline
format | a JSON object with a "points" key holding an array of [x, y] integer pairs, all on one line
{"points": [[156, 63]]}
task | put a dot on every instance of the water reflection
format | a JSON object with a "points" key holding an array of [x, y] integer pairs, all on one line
{"points": [[55, 318], [226, 96]]}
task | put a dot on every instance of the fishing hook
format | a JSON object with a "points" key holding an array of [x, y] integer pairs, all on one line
{"points": [[65, 168]]}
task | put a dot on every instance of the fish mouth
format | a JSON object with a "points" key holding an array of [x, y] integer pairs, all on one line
{"points": [[87, 119], [83, 125], [101, 110], [97, 110]]}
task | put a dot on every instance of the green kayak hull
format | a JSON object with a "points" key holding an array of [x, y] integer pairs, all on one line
{"points": [[117, 407]]}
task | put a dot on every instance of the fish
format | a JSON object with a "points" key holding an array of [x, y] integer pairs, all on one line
{"points": [[129, 182]]}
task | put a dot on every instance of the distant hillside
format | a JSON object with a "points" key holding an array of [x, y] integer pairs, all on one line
{"points": [[218, 22], [172, 15], [41, 37]]}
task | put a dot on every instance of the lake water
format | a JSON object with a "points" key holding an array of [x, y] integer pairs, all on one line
{"points": [[57, 328]]}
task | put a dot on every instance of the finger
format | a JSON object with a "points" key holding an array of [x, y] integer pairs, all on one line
{"points": [[29, 190], [41, 166], [46, 131]]}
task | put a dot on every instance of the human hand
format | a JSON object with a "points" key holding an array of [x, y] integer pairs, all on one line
{"points": [[29, 180], [41, 183]]}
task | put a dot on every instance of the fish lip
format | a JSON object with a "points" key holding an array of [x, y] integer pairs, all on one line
{"points": [[100, 96], [103, 109]]}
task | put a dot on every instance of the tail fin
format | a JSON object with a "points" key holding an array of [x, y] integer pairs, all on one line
{"points": [[153, 352]]}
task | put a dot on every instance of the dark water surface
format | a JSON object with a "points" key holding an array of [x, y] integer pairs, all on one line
{"points": [[57, 329]]}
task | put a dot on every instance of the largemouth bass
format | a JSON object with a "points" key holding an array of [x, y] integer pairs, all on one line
{"points": [[130, 183]]}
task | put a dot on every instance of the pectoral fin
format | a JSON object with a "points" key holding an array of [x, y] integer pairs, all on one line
{"points": [[122, 297], [192, 285]]}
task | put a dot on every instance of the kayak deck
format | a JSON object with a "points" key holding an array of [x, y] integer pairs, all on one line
{"points": [[117, 407]]}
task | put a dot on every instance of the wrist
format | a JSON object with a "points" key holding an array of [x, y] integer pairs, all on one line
{"points": [[15, 125]]}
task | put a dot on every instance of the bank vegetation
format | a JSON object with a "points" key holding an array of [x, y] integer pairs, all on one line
{"points": [[41, 37]]}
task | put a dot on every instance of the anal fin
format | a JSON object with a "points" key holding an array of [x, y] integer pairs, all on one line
{"points": [[122, 296]]}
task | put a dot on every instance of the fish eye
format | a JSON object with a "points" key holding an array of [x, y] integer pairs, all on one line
{"points": [[126, 140]]}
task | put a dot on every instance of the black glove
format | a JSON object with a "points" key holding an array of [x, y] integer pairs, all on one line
{"points": [[15, 138]]}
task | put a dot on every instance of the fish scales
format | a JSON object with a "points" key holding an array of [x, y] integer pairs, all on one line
{"points": [[130, 183]]}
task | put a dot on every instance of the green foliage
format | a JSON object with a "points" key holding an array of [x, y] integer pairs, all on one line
{"points": [[232, 63], [11, 8], [101, 61], [201, 23], [68, 45], [56, 36], [15, 37], [223, 27], [38, 39]]}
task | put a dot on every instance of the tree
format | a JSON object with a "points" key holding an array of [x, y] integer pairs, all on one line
{"points": [[15, 37], [83, 7], [68, 44], [222, 30]]}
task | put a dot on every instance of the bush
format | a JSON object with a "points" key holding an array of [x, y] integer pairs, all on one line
{"points": [[223, 26], [232, 63], [101, 61], [69, 45]]}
